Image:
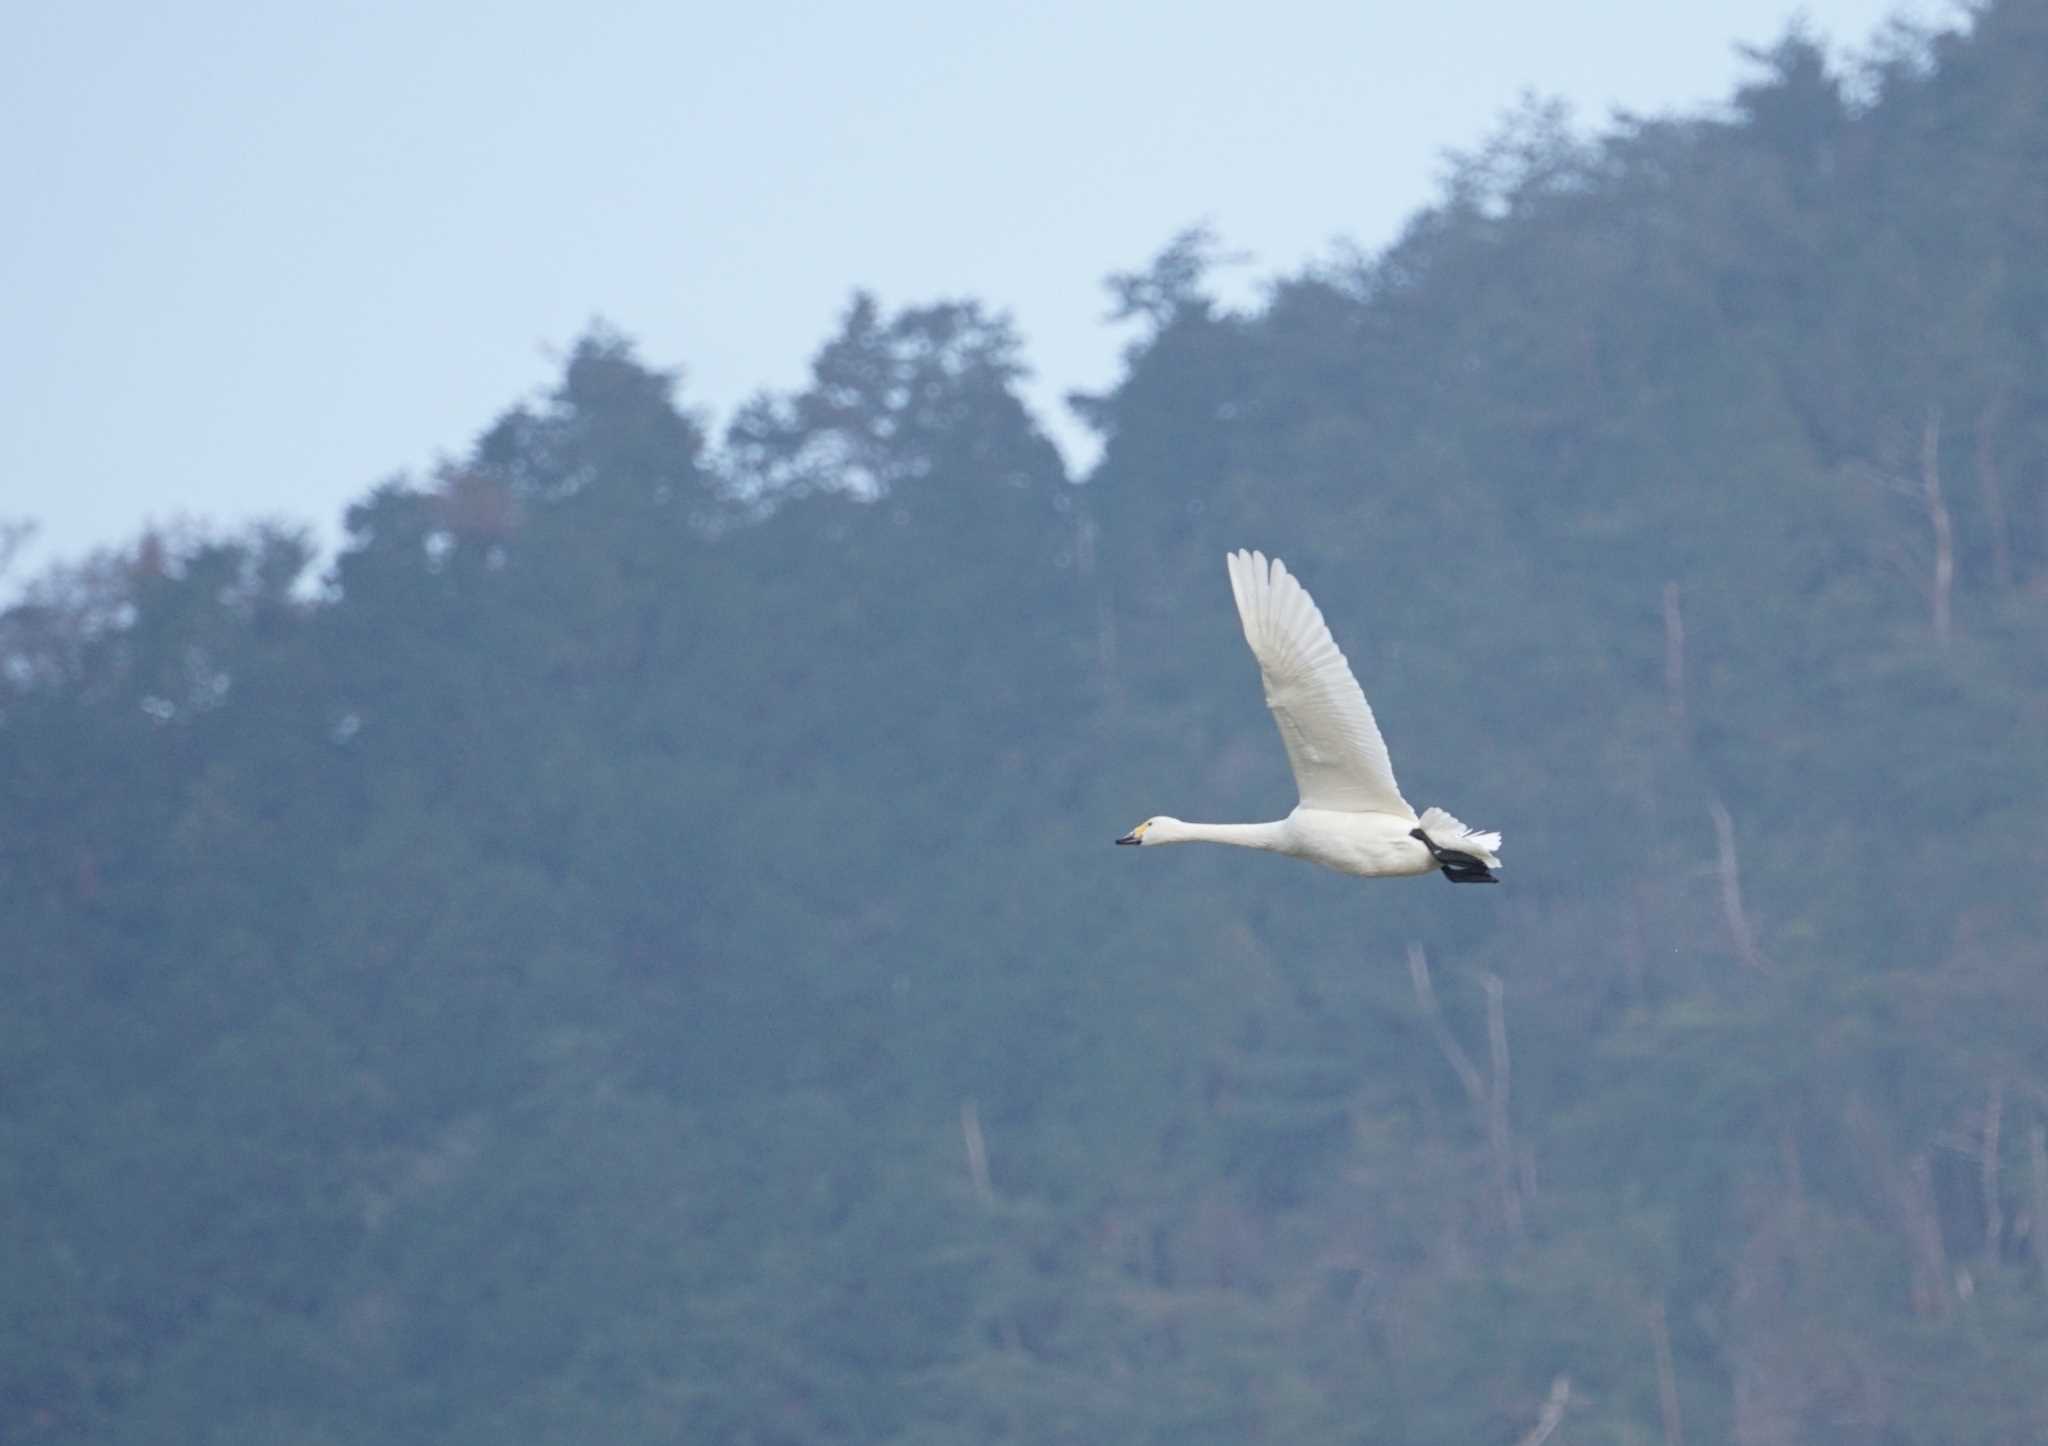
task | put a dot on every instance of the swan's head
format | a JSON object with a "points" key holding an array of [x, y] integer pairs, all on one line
{"points": [[1152, 831]]}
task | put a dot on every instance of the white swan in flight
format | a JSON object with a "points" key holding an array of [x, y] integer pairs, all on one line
{"points": [[1352, 817]]}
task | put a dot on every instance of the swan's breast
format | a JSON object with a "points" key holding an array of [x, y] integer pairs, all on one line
{"points": [[1375, 845]]}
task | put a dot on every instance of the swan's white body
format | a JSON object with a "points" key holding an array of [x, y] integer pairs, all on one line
{"points": [[1352, 817]]}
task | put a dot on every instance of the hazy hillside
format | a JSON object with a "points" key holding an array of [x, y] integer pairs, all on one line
{"points": [[635, 955]]}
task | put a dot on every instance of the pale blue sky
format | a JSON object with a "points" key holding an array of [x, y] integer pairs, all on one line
{"points": [[263, 255]]}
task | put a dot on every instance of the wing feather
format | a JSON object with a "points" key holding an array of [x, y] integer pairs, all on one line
{"points": [[1333, 743]]}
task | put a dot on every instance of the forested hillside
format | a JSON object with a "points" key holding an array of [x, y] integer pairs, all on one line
{"points": [[635, 954]]}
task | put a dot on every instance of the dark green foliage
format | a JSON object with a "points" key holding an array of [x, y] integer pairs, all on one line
{"points": [[637, 956]]}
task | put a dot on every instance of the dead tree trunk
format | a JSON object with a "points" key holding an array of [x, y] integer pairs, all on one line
{"points": [[1489, 1095], [1994, 1214], [1993, 487], [1938, 520], [1731, 888], [1674, 659], [1500, 1142], [1911, 1190], [1552, 1414], [2037, 1157], [1106, 673], [1934, 1282], [1667, 1376], [977, 1152]]}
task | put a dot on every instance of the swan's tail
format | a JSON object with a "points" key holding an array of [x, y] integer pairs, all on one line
{"points": [[1453, 837]]}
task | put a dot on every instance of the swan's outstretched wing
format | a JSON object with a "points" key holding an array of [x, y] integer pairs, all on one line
{"points": [[1339, 759]]}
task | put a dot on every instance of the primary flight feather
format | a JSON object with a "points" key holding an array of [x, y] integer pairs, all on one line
{"points": [[1352, 816]]}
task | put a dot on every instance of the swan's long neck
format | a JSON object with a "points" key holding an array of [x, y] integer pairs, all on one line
{"points": [[1271, 836]]}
